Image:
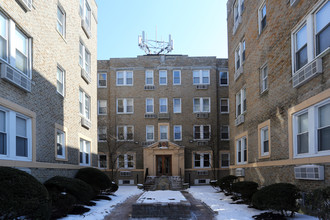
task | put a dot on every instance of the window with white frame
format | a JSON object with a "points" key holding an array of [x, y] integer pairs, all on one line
{"points": [[60, 80], [202, 132], [102, 107], [149, 105], [224, 106], [15, 135], [311, 38], [150, 133], [243, 50], [241, 102], [223, 78], [176, 105], [264, 78], [262, 17], [85, 150], [241, 150], [240, 55], [125, 106], [177, 130], [126, 161], [163, 105], [85, 12], [201, 105], [201, 77], [176, 77], [102, 134], [124, 78], [149, 77], [163, 132], [15, 46], [84, 104], [60, 144], [125, 133], [311, 131], [103, 161], [202, 160], [238, 11], [264, 139], [61, 20], [84, 58], [102, 80], [225, 160], [224, 132], [162, 77]]}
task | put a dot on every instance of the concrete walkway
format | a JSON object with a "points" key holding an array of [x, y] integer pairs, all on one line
{"points": [[199, 210]]}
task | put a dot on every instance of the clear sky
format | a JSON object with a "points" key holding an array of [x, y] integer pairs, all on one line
{"points": [[198, 27]]}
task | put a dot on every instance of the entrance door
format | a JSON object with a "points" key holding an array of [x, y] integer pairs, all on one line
{"points": [[164, 165]]}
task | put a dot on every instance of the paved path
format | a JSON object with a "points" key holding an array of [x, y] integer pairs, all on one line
{"points": [[199, 210]]}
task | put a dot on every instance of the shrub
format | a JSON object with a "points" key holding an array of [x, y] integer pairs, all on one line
{"points": [[22, 195], [226, 182], [97, 179], [114, 187], [317, 203], [246, 189], [280, 197]]}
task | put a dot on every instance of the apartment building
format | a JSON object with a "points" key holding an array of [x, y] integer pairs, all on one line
{"points": [[163, 115], [279, 91], [48, 90]]}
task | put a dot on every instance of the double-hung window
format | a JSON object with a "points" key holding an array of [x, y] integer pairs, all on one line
{"points": [[223, 78], [176, 77], [238, 10], [241, 150], [224, 106], [262, 17], [149, 105], [239, 58], [124, 78], [162, 77], [60, 144], [102, 107], [201, 105], [301, 47], [241, 102], [264, 141], [224, 132], [201, 77], [102, 80], [60, 80], [84, 59], [163, 108], [126, 161], [102, 134], [125, 106], [85, 150], [85, 12], [202, 160], [125, 133], [103, 161], [176, 105], [149, 77], [264, 78], [225, 160], [61, 20], [84, 104], [150, 133], [177, 130], [202, 132], [163, 132]]}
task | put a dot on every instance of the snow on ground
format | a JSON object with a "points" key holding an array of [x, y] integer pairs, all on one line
{"points": [[104, 207], [165, 196], [221, 204]]}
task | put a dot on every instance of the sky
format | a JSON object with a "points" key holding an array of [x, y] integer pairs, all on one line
{"points": [[197, 27]]}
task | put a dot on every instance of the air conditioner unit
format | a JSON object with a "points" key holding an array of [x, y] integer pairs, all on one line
{"points": [[163, 116], [308, 72], [86, 28], [238, 72], [86, 123], [126, 182], [149, 87], [27, 4], [86, 76], [125, 173], [202, 143], [10, 74], [201, 181], [202, 173], [202, 86], [150, 116], [239, 172], [202, 115], [239, 120], [309, 172]]}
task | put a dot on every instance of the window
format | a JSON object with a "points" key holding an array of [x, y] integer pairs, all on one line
{"points": [[311, 130], [224, 106], [264, 79], [85, 147], [149, 77], [240, 55], [176, 77], [240, 102], [103, 161], [150, 133], [125, 133], [201, 105], [60, 144], [162, 77], [15, 47], [102, 134], [177, 105], [238, 10], [322, 31], [85, 13], [163, 131], [124, 78], [125, 106], [201, 77], [224, 132], [149, 105], [202, 132], [84, 104], [241, 150], [84, 58], [60, 78], [126, 161], [262, 17], [225, 160], [264, 139], [102, 80], [61, 20], [102, 107], [202, 160], [163, 105], [223, 78], [177, 133], [301, 47], [243, 51]]}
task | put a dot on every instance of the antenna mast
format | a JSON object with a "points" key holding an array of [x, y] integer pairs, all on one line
{"points": [[155, 46]]}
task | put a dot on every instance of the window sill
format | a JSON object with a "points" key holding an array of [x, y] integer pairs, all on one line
{"points": [[124, 85], [224, 85], [61, 159], [323, 154], [263, 93], [15, 159]]}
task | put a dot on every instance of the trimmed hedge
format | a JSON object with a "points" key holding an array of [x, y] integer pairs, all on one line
{"points": [[226, 182], [317, 203], [246, 189], [22, 195], [97, 179], [280, 197]]}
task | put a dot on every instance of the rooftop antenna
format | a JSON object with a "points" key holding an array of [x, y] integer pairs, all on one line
{"points": [[155, 46]]}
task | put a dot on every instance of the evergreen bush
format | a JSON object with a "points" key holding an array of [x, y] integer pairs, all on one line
{"points": [[317, 203], [245, 189], [226, 182], [97, 179]]}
